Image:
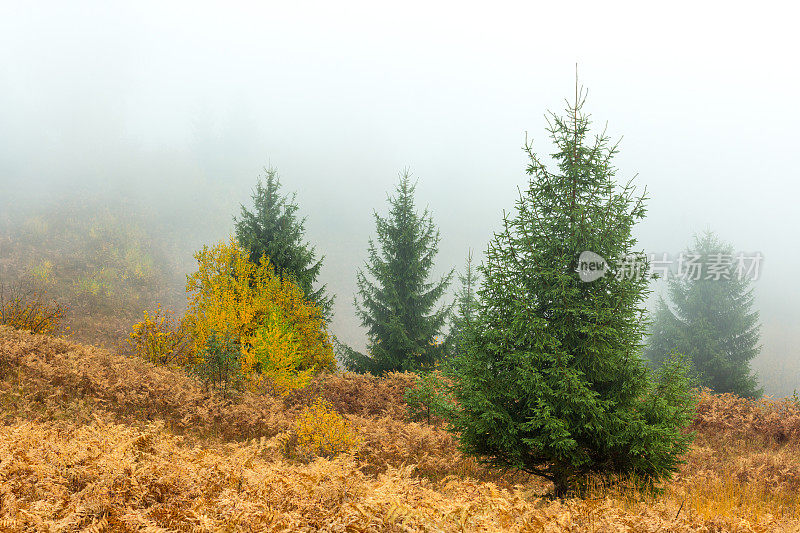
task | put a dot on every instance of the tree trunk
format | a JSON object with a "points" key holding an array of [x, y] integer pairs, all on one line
{"points": [[561, 484]]}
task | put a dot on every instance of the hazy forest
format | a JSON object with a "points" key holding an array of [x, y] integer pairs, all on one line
{"points": [[394, 327]]}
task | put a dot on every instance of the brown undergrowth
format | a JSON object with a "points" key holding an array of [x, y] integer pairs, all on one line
{"points": [[95, 441]]}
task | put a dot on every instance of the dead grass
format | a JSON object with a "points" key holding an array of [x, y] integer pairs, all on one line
{"points": [[95, 441]]}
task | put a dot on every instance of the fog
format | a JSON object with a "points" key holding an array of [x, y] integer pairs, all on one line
{"points": [[176, 108]]}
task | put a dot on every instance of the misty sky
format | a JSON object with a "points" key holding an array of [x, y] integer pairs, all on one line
{"points": [[180, 106]]}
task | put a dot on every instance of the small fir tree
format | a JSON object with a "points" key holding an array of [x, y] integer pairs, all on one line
{"points": [[218, 364], [429, 400], [464, 310], [398, 306]]}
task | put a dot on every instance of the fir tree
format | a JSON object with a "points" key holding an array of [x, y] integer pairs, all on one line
{"points": [[464, 310], [551, 381], [273, 229], [398, 305], [710, 320]]}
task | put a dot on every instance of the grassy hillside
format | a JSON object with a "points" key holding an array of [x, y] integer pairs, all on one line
{"points": [[106, 263], [96, 441]]}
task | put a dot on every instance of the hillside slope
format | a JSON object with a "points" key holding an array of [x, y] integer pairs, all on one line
{"points": [[95, 441]]}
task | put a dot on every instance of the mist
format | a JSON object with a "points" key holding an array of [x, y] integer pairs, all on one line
{"points": [[173, 110]]}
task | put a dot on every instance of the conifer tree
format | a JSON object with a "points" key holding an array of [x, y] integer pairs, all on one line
{"points": [[464, 308], [398, 303], [551, 381], [710, 319], [274, 229]]}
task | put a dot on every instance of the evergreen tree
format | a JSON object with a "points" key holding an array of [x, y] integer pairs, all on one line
{"points": [[272, 228], [218, 363], [464, 309], [398, 305], [710, 320], [551, 381]]}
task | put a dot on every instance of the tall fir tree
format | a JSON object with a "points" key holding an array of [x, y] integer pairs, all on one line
{"points": [[273, 229], [710, 319], [552, 382], [398, 303]]}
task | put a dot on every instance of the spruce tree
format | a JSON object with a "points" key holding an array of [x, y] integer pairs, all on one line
{"points": [[710, 319], [273, 229], [464, 309], [398, 303], [551, 381]]}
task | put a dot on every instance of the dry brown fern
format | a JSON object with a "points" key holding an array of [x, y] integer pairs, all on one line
{"points": [[95, 441]]}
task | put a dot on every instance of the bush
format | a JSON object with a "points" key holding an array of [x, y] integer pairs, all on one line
{"points": [[30, 310], [319, 431], [161, 339], [762, 421], [282, 336], [218, 364]]}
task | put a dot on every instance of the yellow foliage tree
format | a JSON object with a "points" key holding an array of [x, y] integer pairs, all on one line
{"points": [[282, 335]]}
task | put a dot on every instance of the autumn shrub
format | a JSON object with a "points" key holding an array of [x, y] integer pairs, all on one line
{"points": [[161, 338], [92, 439], [30, 310], [319, 431], [91, 436], [282, 336]]}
